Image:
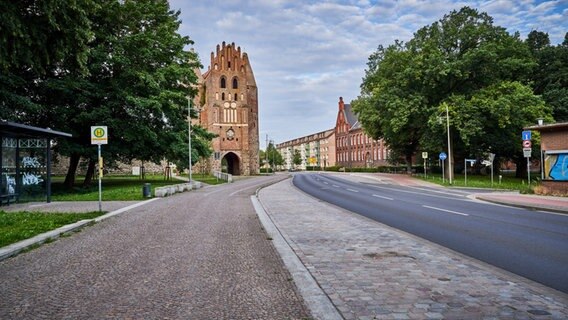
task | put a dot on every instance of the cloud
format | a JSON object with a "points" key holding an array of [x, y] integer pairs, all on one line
{"points": [[305, 54]]}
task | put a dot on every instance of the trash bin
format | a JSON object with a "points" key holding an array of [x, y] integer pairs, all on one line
{"points": [[146, 190]]}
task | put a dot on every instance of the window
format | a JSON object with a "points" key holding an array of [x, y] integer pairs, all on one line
{"points": [[235, 97], [223, 83], [235, 83], [223, 96]]}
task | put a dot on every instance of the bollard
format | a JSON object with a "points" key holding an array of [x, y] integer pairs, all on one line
{"points": [[146, 190]]}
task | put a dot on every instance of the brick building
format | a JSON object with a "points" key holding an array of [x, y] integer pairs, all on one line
{"points": [[354, 148], [345, 145], [228, 104], [316, 149], [554, 147]]}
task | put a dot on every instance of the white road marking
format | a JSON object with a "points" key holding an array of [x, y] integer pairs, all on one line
{"points": [[382, 197], [335, 185], [326, 182], [352, 190], [450, 211]]}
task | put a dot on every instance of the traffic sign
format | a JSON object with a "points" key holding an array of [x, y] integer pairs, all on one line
{"points": [[99, 135], [443, 156], [527, 144], [527, 152], [424, 155], [526, 135]]}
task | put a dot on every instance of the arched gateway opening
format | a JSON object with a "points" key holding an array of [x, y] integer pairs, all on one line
{"points": [[232, 163]]}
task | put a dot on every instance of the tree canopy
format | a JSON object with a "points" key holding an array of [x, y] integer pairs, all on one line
{"points": [[136, 78], [550, 75], [463, 62]]}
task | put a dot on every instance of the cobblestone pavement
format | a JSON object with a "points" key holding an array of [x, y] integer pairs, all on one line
{"points": [[195, 255], [68, 206], [372, 271]]}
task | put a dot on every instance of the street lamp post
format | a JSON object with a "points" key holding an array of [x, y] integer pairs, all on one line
{"points": [[450, 173], [189, 134]]}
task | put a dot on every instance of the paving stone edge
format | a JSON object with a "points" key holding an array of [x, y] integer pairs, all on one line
{"points": [[316, 299], [15, 248]]}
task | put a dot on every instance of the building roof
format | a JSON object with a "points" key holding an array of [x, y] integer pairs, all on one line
{"points": [[561, 126], [22, 130], [351, 118], [309, 138]]}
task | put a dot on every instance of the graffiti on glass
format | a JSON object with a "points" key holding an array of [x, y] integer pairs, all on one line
{"points": [[30, 162]]}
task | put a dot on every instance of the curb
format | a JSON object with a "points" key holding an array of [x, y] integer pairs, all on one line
{"points": [[15, 248], [316, 299], [523, 206]]}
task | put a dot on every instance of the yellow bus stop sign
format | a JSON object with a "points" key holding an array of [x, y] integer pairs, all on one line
{"points": [[99, 135]]}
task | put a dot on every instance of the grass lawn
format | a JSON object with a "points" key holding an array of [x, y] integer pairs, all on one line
{"points": [[208, 179], [507, 182], [116, 187], [113, 188], [18, 226]]}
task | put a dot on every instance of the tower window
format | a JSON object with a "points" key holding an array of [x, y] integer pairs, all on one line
{"points": [[235, 83], [229, 64], [223, 96], [223, 82], [235, 97]]}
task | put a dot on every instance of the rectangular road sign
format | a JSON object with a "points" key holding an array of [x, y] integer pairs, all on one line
{"points": [[526, 135], [527, 152], [99, 135]]}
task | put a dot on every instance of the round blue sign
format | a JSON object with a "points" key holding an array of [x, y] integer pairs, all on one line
{"points": [[443, 156]]}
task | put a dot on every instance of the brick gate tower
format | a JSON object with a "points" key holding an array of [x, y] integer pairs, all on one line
{"points": [[228, 100]]}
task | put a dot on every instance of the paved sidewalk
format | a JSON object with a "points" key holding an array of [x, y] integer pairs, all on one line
{"points": [[534, 202], [195, 255], [372, 271]]}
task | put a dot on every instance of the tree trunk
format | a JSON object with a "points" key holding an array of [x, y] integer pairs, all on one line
{"points": [[521, 171], [72, 170], [90, 173], [408, 159]]}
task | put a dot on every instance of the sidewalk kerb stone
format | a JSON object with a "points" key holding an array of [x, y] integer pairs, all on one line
{"points": [[315, 298], [15, 248]]}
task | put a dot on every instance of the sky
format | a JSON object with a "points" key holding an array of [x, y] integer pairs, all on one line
{"points": [[307, 54]]}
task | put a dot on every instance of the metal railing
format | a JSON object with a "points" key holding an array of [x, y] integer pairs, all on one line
{"points": [[223, 176]]}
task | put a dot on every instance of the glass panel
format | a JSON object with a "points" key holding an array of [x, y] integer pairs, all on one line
{"points": [[33, 169], [8, 175]]}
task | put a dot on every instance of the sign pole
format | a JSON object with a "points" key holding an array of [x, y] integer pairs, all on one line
{"points": [[100, 174], [443, 173], [529, 170], [465, 171], [99, 136]]}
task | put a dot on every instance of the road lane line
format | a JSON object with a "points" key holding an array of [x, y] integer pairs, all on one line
{"points": [[382, 197], [352, 190], [326, 182], [335, 185], [450, 211]]}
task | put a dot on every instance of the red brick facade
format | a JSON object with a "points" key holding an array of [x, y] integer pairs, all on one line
{"points": [[228, 99], [354, 148], [554, 142]]}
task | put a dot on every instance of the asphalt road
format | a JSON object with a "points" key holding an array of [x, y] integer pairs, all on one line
{"points": [[531, 244]]}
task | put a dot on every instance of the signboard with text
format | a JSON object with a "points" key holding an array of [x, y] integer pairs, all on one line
{"points": [[99, 135]]}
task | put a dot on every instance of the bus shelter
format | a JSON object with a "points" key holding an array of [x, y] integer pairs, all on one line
{"points": [[25, 162]]}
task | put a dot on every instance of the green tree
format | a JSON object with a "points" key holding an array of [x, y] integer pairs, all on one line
{"points": [[550, 75], [455, 60], [271, 155], [274, 157], [137, 85], [297, 159], [39, 38]]}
